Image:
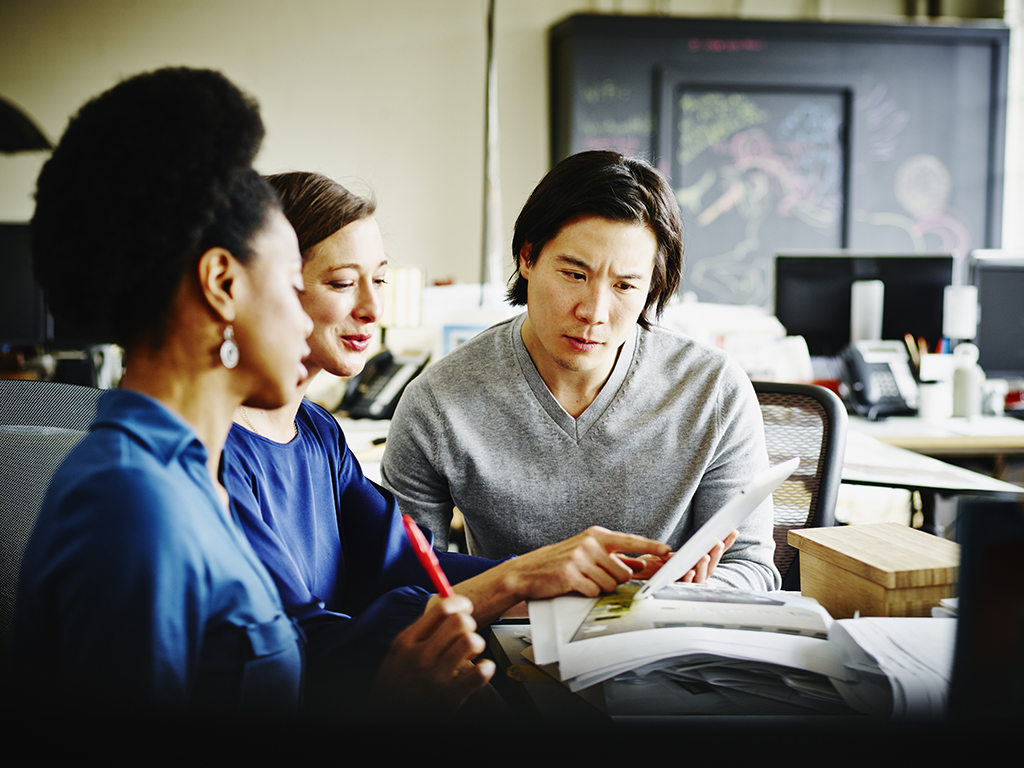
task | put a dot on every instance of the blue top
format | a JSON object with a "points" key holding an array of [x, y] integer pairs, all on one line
{"points": [[138, 585], [333, 541]]}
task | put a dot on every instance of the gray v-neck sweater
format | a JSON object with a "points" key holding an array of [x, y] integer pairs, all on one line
{"points": [[674, 433]]}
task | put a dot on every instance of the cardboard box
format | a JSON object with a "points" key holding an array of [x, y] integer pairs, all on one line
{"points": [[880, 569]]}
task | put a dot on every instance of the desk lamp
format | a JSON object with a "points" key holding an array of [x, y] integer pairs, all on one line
{"points": [[18, 132]]}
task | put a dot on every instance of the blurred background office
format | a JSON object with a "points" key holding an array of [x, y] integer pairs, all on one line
{"points": [[390, 97], [387, 95]]}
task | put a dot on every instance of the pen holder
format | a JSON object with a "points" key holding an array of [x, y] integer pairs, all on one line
{"points": [[936, 388], [937, 368], [935, 400]]}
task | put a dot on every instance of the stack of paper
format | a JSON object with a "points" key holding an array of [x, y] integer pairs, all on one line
{"points": [[697, 649], [895, 667], [754, 651]]}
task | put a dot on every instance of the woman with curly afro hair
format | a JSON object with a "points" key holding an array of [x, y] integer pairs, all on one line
{"points": [[137, 589]]}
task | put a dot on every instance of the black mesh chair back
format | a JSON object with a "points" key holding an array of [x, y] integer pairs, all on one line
{"points": [[40, 422], [807, 421]]}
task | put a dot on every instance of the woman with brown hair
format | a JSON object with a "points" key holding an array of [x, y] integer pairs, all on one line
{"points": [[333, 540]]}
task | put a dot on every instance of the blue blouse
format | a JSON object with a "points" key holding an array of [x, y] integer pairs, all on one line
{"points": [[138, 586], [334, 543]]}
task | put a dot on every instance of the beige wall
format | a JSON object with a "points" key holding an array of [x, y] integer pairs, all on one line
{"points": [[381, 94]]}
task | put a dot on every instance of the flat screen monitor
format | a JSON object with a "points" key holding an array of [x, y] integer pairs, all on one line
{"points": [[999, 277], [812, 295], [987, 684], [23, 317]]}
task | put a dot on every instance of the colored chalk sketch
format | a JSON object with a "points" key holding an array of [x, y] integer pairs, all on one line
{"points": [[712, 118], [923, 187], [756, 172], [630, 136], [609, 120]]}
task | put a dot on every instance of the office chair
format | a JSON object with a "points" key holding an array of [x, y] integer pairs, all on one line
{"points": [[810, 422], [40, 422]]}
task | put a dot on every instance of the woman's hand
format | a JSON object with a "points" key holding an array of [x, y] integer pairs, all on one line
{"points": [[429, 669], [589, 563]]}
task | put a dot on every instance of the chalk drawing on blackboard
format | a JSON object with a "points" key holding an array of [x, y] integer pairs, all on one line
{"points": [[923, 186], [756, 171], [605, 91], [884, 121], [609, 118], [712, 118]]}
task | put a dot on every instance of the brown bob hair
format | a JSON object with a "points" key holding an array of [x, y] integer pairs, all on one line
{"points": [[318, 206]]}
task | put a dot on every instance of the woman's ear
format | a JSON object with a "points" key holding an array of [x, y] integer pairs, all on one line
{"points": [[219, 274]]}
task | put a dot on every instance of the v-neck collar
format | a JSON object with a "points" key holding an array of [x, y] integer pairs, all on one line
{"points": [[576, 428]]}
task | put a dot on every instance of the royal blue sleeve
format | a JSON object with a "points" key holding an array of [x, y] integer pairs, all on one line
{"points": [[124, 587], [370, 513]]}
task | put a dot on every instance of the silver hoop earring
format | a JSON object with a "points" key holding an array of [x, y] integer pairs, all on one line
{"points": [[228, 349]]}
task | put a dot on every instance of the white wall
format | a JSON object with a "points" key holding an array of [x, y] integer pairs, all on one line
{"points": [[386, 95]]}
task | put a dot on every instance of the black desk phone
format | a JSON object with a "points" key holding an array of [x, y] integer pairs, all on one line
{"points": [[876, 380], [374, 393]]}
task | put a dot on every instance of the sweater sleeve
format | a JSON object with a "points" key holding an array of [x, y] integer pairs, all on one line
{"points": [[407, 469], [740, 454]]}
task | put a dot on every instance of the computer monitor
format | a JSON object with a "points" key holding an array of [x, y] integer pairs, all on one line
{"points": [[988, 666], [999, 277], [24, 321], [812, 295]]}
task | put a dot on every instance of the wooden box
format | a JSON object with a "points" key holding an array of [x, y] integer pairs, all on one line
{"points": [[881, 569]]}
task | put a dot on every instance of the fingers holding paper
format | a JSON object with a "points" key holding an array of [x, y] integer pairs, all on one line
{"points": [[700, 572], [589, 563], [707, 564]]}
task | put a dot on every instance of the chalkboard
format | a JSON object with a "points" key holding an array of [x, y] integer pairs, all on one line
{"points": [[794, 136]]}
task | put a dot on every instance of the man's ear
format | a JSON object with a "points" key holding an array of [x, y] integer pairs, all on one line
{"points": [[219, 274], [524, 262]]}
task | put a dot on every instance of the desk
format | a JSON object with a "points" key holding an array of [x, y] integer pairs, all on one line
{"points": [[868, 461], [535, 695], [996, 437]]}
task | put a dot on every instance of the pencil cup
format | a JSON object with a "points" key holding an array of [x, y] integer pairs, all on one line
{"points": [[935, 401]]}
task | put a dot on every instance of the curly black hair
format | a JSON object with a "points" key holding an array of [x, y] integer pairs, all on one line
{"points": [[147, 176]]}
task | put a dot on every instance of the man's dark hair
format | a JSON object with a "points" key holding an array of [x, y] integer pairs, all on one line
{"points": [[147, 176], [614, 187], [318, 206]]}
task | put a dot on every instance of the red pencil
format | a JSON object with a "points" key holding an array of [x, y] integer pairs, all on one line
{"points": [[428, 559]]}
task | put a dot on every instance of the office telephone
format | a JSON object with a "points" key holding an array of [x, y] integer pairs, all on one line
{"points": [[374, 393], [876, 380]]}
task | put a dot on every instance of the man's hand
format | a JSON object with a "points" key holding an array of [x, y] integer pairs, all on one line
{"points": [[649, 564], [587, 563], [429, 669]]}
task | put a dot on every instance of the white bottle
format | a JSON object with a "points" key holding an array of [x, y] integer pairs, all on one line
{"points": [[968, 380]]}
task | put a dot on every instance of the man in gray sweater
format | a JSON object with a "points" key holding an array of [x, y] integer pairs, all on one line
{"points": [[581, 411]]}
